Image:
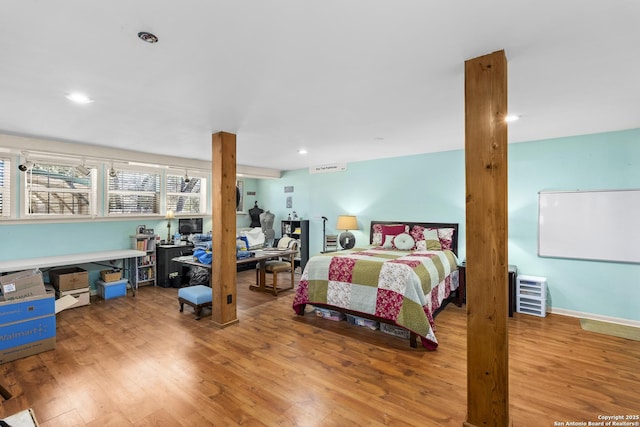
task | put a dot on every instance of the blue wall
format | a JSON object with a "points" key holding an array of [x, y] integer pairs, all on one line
{"points": [[431, 187]]}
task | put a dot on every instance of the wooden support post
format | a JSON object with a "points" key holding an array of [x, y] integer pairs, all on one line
{"points": [[486, 240], [223, 195]]}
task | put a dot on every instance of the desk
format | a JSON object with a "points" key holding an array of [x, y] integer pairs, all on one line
{"points": [[73, 259], [261, 256]]}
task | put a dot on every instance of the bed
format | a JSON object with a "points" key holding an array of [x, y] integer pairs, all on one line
{"points": [[407, 273]]}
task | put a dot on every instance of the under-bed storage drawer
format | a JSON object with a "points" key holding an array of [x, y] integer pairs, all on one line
{"points": [[325, 313], [396, 331], [361, 321]]}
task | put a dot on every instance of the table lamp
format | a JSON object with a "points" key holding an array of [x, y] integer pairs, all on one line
{"points": [[346, 223], [169, 216]]}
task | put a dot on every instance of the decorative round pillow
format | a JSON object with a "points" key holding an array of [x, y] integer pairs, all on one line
{"points": [[404, 242]]}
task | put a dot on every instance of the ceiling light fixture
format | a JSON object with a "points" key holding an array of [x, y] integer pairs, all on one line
{"points": [[302, 151], [79, 98], [186, 177], [27, 165], [511, 118], [112, 172], [147, 37]]}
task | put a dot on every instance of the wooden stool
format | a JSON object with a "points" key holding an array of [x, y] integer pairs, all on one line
{"points": [[198, 296]]}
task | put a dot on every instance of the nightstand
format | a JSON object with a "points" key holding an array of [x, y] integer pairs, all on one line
{"points": [[513, 274]]}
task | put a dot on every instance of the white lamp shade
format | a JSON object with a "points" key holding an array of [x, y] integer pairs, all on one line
{"points": [[170, 214]]}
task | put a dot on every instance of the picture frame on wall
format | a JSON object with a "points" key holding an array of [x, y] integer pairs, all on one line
{"points": [[140, 229]]}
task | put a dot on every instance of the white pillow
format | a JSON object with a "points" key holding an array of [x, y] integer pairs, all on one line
{"points": [[404, 242], [388, 242], [431, 239]]}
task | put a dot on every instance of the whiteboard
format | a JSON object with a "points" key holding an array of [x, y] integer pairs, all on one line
{"points": [[597, 225]]}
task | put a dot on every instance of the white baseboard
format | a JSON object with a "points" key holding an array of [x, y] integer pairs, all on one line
{"points": [[582, 315]]}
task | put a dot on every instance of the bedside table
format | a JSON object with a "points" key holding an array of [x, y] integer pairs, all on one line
{"points": [[513, 274]]}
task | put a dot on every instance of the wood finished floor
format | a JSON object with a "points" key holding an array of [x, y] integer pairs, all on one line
{"points": [[138, 361]]}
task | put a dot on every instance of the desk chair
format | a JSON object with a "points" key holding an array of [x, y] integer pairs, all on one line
{"points": [[282, 265]]}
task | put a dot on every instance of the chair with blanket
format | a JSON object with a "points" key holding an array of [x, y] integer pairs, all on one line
{"points": [[281, 265]]}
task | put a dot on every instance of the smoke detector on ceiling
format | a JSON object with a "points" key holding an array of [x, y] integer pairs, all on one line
{"points": [[147, 37]]}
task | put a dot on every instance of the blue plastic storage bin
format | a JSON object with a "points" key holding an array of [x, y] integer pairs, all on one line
{"points": [[109, 290]]}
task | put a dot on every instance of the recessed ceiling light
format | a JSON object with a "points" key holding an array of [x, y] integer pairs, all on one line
{"points": [[302, 151], [147, 37], [511, 118], [79, 98]]}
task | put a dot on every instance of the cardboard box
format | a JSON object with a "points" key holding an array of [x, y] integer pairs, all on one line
{"points": [[82, 296], [64, 302], [68, 279], [23, 284], [27, 327], [108, 290], [26, 350], [27, 331], [26, 308], [110, 275]]}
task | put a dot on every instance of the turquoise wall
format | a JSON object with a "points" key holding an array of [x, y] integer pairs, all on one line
{"points": [[428, 187], [592, 162], [431, 187]]}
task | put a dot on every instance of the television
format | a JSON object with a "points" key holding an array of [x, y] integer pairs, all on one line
{"points": [[190, 226]]}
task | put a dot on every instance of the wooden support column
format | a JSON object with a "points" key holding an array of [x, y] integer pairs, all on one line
{"points": [[223, 195], [486, 240]]}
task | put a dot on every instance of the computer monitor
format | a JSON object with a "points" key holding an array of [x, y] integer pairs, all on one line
{"points": [[190, 226]]}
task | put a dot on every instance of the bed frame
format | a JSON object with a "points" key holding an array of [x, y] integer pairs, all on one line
{"points": [[457, 299]]}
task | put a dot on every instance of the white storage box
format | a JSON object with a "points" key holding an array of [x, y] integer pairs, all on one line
{"points": [[531, 295], [81, 295]]}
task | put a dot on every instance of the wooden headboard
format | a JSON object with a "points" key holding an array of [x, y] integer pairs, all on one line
{"points": [[454, 242]]}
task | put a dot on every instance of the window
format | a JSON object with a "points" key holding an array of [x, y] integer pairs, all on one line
{"points": [[5, 187], [185, 194], [53, 189], [133, 192]]}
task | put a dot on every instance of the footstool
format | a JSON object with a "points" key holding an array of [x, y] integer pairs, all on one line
{"points": [[197, 296]]}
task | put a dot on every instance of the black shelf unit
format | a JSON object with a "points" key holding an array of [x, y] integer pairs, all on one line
{"points": [[298, 229], [166, 266]]}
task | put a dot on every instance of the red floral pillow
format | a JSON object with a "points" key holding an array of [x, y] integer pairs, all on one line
{"points": [[392, 230], [417, 232], [376, 236], [446, 238]]}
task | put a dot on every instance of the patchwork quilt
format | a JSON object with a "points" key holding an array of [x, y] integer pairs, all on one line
{"points": [[403, 288]]}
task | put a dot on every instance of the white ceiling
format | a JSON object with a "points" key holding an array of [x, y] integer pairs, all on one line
{"points": [[347, 80]]}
